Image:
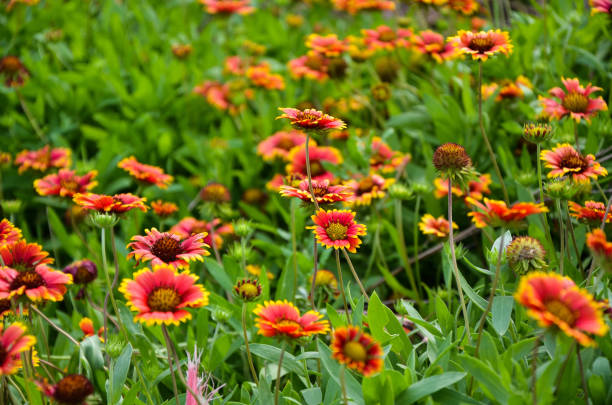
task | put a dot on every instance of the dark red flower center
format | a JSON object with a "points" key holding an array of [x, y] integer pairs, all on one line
{"points": [[83, 275], [319, 191], [215, 193], [316, 168], [387, 36], [163, 299], [10, 64], [73, 389], [30, 279], [561, 311], [69, 184], [574, 161], [285, 143], [481, 44], [314, 62], [336, 231], [575, 102], [5, 305], [365, 185], [355, 351], [166, 248]]}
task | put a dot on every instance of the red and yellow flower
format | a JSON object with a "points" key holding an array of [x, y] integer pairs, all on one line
{"points": [[433, 44], [164, 208], [337, 229], [280, 144], [118, 203], [228, 6], [190, 226], [261, 76], [43, 159], [22, 255], [576, 103], [386, 38], [311, 119], [328, 45], [323, 192], [317, 155], [435, 226], [385, 160], [39, 284], [65, 183], [9, 233], [357, 350], [326, 278], [354, 6], [481, 45], [592, 211], [467, 7], [166, 248], [564, 160], [282, 319], [366, 189], [311, 66], [162, 295], [601, 248], [555, 300], [508, 89], [145, 173], [13, 341], [601, 6], [497, 213]]}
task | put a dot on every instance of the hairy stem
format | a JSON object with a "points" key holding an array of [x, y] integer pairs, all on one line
{"points": [[278, 373], [246, 343], [341, 282], [350, 263]]}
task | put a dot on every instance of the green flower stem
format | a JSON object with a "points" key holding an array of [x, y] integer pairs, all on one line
{"points": [[561, 236], [415, 236], [341, 282], [170, 345], [585, 388], [483, 320], [570, 226], [278, 372], [294, 253], [485, 138], [214, 243], [170, 363], [399, 225], [30, 117], [451, 242], [534, 365], [246, 343], [316, 204], [314, 275], [543, 215], [350, 263], [343, 384], [576, 136]]}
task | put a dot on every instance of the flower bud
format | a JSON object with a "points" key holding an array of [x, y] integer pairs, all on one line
{"points": [[526, 254], [103, 220], [247, 289], [401, 192], [537, 133]]}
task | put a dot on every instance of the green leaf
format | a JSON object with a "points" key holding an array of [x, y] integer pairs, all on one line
{"points": [[377, 319], [489, 380], [118, 374], [445, 318], [428, 386], [90, 349], [218, 274], [272, 354], [501, 313], [353, 388], [312, 396]]}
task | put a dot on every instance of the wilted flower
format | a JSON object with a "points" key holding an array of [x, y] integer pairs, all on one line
{"points": [[526, 254], [72, 389]]}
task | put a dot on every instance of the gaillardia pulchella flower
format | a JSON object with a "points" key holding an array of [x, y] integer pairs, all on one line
{"points": [[328, 45], [23, 256], [117, 204], [481, 45], [366, 189], [600, 247], [168, 248], [163, 209], [431, 43], [13, 342], [310, 119], [386, 38], [39, 284], [592, 212], [497, 213], [280, 143], [357, 350], [438, 227], [317, 156], [337, 229], [282, 319], [324, 192], [162, 295], [564, 160], [145, 173], [9, 233], [526, 254], [65, 183], [555, 300], [601, 6], [43, 159], [576, 102]]}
